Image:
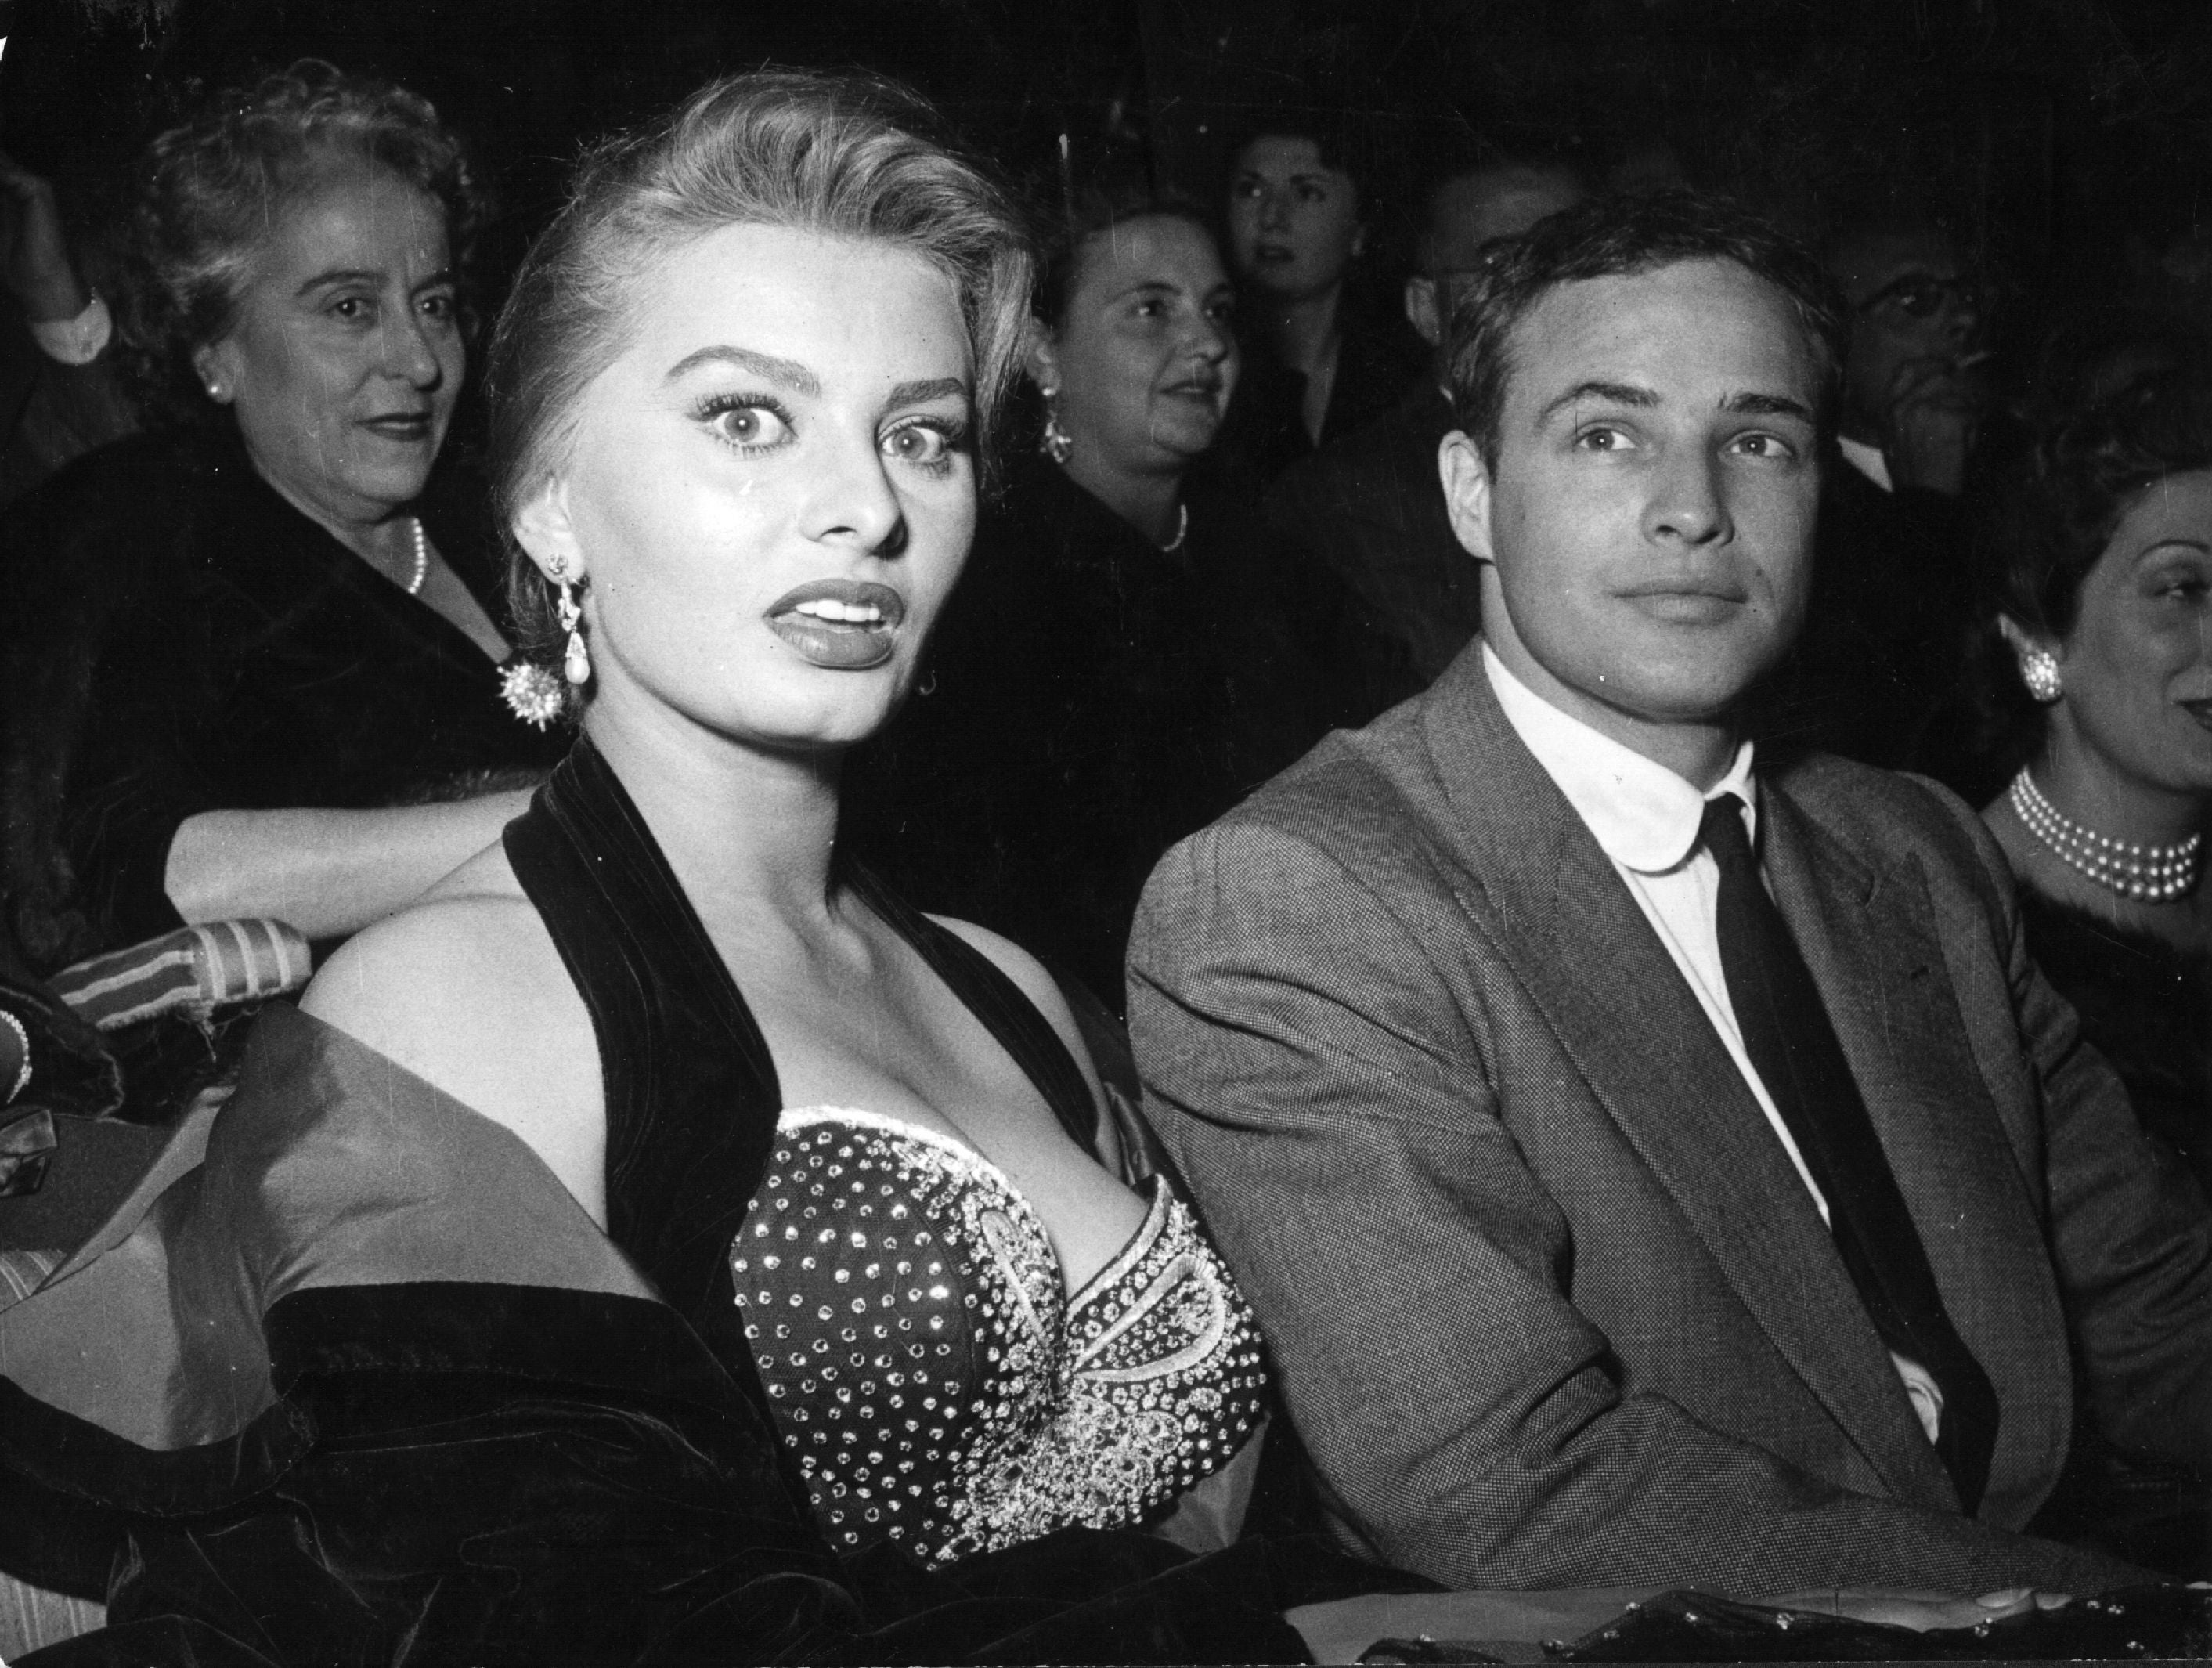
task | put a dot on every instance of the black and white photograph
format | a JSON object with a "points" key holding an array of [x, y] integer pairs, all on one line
{"points": [[1121, 832]]}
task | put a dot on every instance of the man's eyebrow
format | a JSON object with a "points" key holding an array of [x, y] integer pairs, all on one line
{"points": [[787, 372], [927, 388], [1611, 393], [1756, 404]]}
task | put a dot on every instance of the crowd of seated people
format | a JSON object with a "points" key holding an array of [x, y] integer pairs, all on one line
{"points": [[1587, 1122]]}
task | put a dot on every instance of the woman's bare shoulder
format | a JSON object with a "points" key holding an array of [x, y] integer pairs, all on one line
{"points": [[1030, 978], [466, 989]]}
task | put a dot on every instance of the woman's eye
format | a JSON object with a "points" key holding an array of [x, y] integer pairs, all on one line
{"points": [[352, 308], [749, 426], [923, 443], [440, 307], [1150, 308]]}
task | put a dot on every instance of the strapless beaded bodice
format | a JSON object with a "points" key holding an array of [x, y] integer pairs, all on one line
{"points": [[939, 1388]]}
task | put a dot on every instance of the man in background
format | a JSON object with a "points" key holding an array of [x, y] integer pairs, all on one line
{"points": [[1369, 507], [1893, 602]]}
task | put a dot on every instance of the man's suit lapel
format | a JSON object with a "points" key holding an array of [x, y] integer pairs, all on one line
{"points": [[1566, 926], [1865, 927]]}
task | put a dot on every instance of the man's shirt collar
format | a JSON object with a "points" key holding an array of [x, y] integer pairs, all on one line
{"points": [[1644, 817]]}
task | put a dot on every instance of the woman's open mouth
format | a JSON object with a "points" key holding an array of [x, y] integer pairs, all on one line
{"points": [[407, 427], [841, 624]]}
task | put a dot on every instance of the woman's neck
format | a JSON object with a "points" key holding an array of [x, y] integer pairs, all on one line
{"points": [[2089, 789], [382, 536], [1306, 330], [1151, 502], [750, 834], [2086, 790]]}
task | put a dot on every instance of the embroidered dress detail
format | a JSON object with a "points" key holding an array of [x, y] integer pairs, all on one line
{"points": [[940, 1389]]}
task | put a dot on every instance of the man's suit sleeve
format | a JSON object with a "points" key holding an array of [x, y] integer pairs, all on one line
{"points": [[1321, 1082]]}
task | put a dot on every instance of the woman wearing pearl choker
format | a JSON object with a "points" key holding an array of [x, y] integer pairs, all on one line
{"points": [[2104, 614]]}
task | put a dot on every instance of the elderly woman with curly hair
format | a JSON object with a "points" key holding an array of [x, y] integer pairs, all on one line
{"points": [[255, 663]]}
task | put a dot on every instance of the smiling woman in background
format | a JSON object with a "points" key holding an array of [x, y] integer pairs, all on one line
{"points": [[248, 648], [2103, 601], [2097, 673], [661, 1243]]}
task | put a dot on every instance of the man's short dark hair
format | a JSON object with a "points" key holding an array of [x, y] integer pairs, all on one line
{"points": [[1617, 236]]}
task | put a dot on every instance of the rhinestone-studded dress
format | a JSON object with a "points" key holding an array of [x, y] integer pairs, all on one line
{"points": [[940, 1389]]}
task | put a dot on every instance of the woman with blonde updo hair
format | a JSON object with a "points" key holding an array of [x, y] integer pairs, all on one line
{"points": [[660, 1243]]}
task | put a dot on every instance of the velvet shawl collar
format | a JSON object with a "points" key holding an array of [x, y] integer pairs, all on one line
{"points": [[177, 1328]]}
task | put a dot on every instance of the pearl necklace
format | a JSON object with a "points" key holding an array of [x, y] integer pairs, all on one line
{"points": [[2147, 873], [414, 586]]}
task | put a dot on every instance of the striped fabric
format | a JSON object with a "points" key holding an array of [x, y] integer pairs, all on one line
{"points": [[20, 1271], [193, 971]]}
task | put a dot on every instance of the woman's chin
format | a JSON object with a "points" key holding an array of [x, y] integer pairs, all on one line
{"points": [[1185, 437]]}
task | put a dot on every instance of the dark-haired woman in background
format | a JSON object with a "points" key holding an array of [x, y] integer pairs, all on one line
{"points": [[1299, 221], [1118, 664], [247, 647], [2103, 601]]}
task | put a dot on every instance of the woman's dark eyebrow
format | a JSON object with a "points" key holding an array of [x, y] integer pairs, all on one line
{"points": [[1161, 285], [927, 388], [784, 373], [342, 275]]}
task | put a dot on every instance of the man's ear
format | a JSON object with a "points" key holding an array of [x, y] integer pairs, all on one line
{"points": [[1466, 494], [546, 534], [1040, 358], [1423, 310]]}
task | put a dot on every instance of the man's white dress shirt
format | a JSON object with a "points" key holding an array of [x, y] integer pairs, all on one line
{"points": [[1646, 820]]}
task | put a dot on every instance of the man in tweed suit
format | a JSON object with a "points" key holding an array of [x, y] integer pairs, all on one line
{"points": [[1442, 1028]]}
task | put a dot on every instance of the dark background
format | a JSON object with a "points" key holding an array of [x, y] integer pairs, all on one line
{"points": [[2071, 139]]}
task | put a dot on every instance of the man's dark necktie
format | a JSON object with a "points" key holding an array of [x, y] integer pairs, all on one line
{"points": [[1794, 1051]]}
